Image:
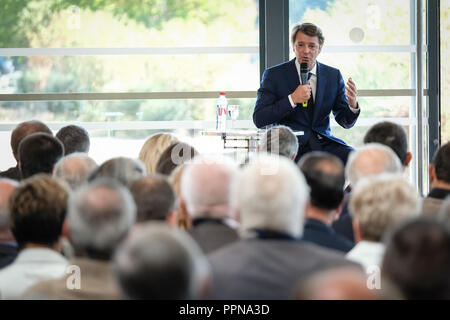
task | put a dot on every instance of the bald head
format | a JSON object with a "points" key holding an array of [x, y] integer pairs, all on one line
{"points": [[6, 188], [74, 169], [23, 130], [205, 187], [371, 159], [337, 284]]}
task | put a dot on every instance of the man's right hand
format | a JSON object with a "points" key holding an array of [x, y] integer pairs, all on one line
{"points": [[301, 94]]}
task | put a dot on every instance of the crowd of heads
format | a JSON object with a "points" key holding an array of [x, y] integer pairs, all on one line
{"points": [[142, 216]]}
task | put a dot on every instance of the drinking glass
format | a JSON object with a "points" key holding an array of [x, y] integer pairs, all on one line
{"points": [[233, 113]]}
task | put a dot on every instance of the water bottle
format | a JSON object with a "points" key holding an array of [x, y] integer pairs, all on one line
{"points": [[221, 112]]}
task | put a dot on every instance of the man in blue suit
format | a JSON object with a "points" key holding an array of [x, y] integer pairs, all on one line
{"points": [[282, 99]]}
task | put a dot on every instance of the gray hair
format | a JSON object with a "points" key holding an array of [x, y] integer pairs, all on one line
{"points": [[380, 202], [6, 188], [280, 140], [99, 216], [122, 169], [74, 169], [158, 262], [205, 186], [371, 159], [271, 193]]}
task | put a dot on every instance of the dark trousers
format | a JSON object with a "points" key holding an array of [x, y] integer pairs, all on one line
{"points": [[324, 144]]}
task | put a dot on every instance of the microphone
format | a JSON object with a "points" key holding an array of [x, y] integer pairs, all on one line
{"points": [[304, 77]]}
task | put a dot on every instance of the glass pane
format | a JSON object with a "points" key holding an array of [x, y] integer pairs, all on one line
{"points": [[365, 22], [445, 70]]}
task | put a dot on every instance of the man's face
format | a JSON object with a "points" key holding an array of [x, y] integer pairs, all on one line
{"points": [[306, 49]]}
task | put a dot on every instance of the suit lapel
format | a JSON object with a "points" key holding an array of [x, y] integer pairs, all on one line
{"points": [[320, 85], [293, 76]]}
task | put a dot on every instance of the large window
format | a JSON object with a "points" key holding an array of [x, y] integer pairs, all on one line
{"points": [[146, 61], [445, 70]]}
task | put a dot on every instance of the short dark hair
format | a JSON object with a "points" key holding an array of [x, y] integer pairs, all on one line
{"points": [[154, 198], [325, 176], [24, 129], [309, 29], [38, 153], [37, 210], [74, 139], [441, 162], [390, 134], [417, 259], [166, 163]]}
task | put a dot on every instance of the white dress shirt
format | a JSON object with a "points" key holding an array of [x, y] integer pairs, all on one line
{"points": [[367, 253], [31, 266]]}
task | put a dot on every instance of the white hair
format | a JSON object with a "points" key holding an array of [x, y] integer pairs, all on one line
{"points": [[371, 159], [271, 193], [74, 169], [99, 215], [205, 186], [380, 202], [280, 140]]}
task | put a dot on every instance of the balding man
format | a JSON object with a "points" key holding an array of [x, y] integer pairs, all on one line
{"points": [[370, 160], [8, 245], [205, 193], [21, 131], [74, 169], [270, 195]]}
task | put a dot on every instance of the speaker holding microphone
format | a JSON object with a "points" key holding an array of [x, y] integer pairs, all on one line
{"points": [[304, 76]]}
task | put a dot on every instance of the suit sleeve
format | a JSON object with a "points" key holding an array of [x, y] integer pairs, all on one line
{"points": [[270, 107], [341, 110]]}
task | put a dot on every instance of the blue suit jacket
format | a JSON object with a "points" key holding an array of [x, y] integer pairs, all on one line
{"points": [[273, 106]]}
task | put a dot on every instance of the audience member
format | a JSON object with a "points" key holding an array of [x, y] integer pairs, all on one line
{"points": [[152, 149], [279, 140], [38, 153], [444, 212], [439, 174], [37, 211], [74, 139], [124, 170], [377, 204], [392, 135], [74, 169], [417, 259], [8, 245], [21, 131], [176, 154], [157, 262], [99, 217], [324, 174], [270, 195], [369, 160], [154, 198], [205, 195], [183, 219]]}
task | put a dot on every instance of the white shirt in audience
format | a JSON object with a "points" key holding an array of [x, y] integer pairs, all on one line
{"points": [[31, 266], [367, 253]]}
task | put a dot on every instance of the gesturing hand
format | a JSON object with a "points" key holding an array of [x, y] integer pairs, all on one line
{"points": [[351, 93]]}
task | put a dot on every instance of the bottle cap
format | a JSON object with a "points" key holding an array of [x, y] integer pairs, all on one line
{"points": [[222, 93]]}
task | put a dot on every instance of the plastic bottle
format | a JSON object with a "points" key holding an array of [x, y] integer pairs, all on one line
{"points": [[221, 112]]}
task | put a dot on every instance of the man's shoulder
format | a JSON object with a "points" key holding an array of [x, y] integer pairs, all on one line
{"points": [[326, 68], [282, 66]]}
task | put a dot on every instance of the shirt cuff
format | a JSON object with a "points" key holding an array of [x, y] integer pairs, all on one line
{"points": [[292, 102], [355, 110]]}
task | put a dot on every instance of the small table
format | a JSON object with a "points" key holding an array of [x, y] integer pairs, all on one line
{"points": [[250, 137]]}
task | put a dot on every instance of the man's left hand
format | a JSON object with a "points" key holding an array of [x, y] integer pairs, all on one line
{"points": [[351, 94]]}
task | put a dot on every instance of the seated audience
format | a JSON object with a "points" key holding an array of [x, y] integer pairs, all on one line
{"points": [[152, 149], [392, 135], [74, 169], [99, 217], [38, 153], [8, 245], [369, 160], [417, 259], [377, 204], [175, 155], [444, 212], [183, 219], [324, 174], [37, 211], [21, 131], [439, 174], [279, 140], [205, 196], [270, 195], [74, 139], [122, 169], [154, 198], [157, 262]]}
